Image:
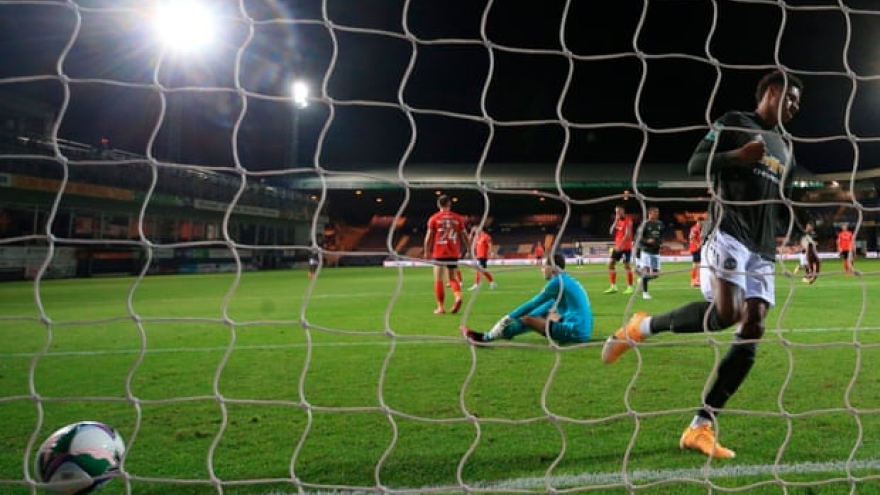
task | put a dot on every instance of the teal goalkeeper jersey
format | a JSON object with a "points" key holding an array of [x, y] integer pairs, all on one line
{"points": [[574, 305]]}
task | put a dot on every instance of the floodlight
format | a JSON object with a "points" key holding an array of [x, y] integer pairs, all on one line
{"points": [[300, 91], [184, 25]]}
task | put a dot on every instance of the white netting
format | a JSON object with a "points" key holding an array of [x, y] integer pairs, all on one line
{"points": [[121, 158]]}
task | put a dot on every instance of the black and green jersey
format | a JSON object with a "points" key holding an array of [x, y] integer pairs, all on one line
{"points": [[651, 233], [747, 202]]}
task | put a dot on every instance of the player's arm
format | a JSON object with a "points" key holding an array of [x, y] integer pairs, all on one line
{"points": [[549, 293], [721, 149], [429, 241], [466, 243]]}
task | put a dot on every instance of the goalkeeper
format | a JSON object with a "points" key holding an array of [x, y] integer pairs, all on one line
{"points": [[561, 311]]}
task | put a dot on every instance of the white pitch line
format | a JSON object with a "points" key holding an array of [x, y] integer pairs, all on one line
{"points": [[374, 343], [688, 476]]}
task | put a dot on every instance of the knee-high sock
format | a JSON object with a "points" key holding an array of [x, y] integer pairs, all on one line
{"points": [[629, 277], [734, 367], [645, 279], [689, 319]]}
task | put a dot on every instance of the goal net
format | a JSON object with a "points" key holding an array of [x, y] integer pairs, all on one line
{"points": [[212, 218]]}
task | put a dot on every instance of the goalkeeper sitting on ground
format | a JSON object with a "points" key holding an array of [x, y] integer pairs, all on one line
{"points": [[560, 311]]}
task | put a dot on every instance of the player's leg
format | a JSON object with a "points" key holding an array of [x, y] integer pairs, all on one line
{"points": [[455, 284], [484, 264], [722, 286], [627, 266], [612, 271], [739, 359], [439, 287], [814, 265]]}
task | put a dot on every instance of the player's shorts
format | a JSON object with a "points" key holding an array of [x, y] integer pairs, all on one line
{"points": [[728, 259], [567, 332], [695, 256], [649, 260], [623, 254], [483, 262], [845, 254], [450, 263], [802, 259]]}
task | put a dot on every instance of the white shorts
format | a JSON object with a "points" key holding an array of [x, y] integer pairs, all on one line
{"points": [[802, 259], [728, 259], [651, 261]]}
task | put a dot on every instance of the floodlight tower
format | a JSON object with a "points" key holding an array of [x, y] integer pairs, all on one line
{"points": [[299, 91], [184, 27]]}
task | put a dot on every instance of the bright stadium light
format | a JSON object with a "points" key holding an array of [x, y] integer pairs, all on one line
{"points": [[184, 25], [300, 92]]}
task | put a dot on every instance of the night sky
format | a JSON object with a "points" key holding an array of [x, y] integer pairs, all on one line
{"points": [[528, 82]]}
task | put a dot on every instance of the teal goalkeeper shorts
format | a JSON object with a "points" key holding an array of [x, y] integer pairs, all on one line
{"points": [[565, 332]]}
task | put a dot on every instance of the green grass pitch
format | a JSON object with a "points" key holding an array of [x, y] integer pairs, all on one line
{"points": [[251, 385]]}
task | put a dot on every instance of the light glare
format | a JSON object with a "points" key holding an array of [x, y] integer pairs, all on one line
{"points": [[184, 26], [300, 92]]}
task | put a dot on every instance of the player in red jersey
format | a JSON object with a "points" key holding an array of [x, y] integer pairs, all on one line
{"points": [[695, 243], [622, 228], [539, 253], [444, 241], [845, 248], [482, 249]]}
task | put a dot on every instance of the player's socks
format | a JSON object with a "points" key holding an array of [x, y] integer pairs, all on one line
{"points": [[489, 277], [612, 277], [732, 371], [689, 319], [629, 278]]}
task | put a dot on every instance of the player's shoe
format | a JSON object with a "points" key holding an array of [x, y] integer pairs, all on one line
{"points": [[806, 280], [623, 339], [629, 290], [796, 270], [439, 311], [473, 288], [456, 306], [611, 290], [472, 336], [493, 285], [702, 439], [646, 296]]}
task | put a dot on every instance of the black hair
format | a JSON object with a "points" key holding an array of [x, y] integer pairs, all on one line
{"points": [[557, 259], [777, 78], [443, 201]]}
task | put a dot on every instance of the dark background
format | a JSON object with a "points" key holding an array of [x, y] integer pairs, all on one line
{"points": [[438, 81]]}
